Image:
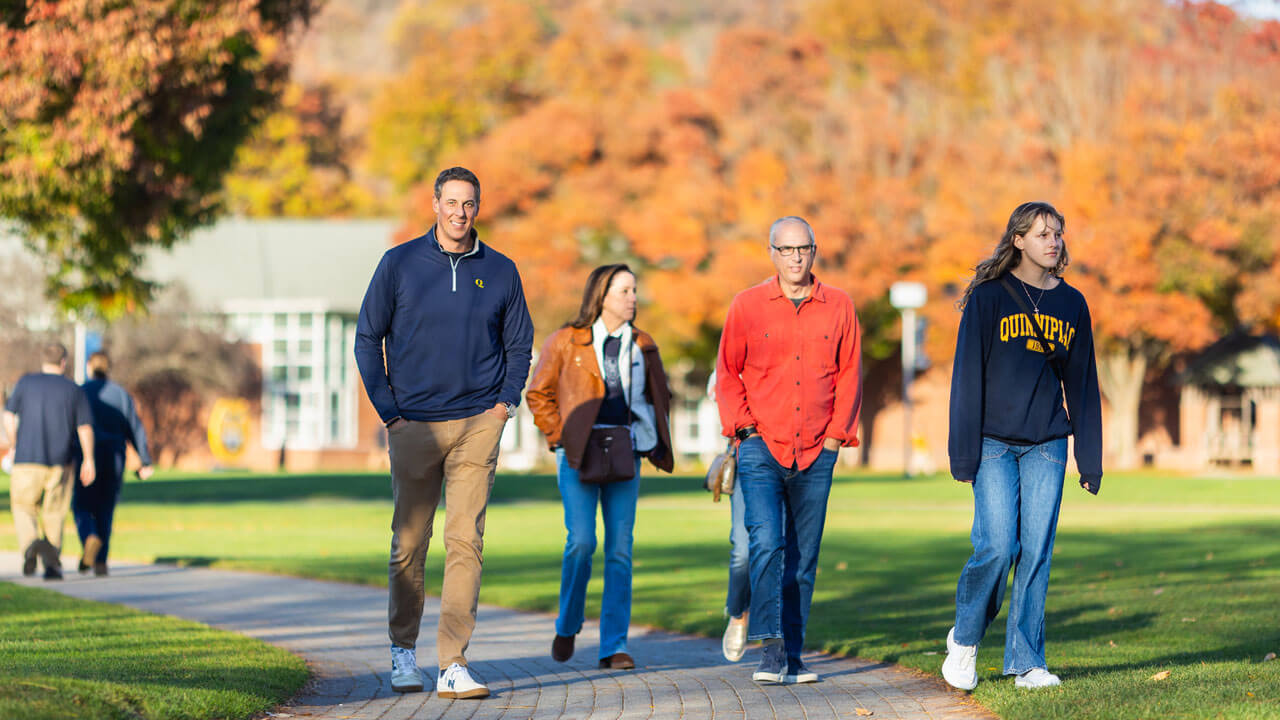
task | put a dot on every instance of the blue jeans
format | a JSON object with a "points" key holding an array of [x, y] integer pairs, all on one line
{"points": [[738, 599], [1016, 496], [785, 513], [618, 503]]}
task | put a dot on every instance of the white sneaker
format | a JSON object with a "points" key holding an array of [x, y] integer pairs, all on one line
{"points": [[960, 669], [405, 676], [456, 682], [798, 672], [1037, 678], [734, 642]]}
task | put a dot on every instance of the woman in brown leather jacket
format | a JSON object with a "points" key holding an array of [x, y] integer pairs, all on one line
{"points": [[570, 394]]}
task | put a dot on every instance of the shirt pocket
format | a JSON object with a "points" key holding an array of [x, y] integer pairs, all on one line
{"points": [[766, 350], [821, 352]]}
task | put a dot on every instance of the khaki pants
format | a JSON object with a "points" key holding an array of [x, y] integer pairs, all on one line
{"points": [[40, 494], [459, 456]]}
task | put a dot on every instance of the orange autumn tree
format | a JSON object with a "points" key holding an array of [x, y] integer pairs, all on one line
{"points": [[906, 137], [624, 157], [1175, 203], [1149, 125]]}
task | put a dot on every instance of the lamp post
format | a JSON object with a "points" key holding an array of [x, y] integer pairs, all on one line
{"points": [[906, 297]]}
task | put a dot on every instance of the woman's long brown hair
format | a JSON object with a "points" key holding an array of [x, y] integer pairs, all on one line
{"points": [[593, 296], [1007, 256]]}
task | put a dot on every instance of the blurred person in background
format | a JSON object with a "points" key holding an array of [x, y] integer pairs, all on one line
{"points": [[46, 416], [116, 425]]}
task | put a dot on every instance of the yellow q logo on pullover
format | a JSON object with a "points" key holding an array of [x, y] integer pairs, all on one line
{"points": [[479, 283]]}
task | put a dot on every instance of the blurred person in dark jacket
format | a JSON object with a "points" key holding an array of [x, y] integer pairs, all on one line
{"points": [[116, 425]]}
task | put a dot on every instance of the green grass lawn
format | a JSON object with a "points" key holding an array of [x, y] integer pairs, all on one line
{"points": [[1160, 572], [62, 658]]}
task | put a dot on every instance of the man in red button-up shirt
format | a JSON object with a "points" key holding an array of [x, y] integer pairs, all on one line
{"points": [[788, 385]]}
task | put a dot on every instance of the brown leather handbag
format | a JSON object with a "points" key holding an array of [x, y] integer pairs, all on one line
{"points": [[609, 457]]}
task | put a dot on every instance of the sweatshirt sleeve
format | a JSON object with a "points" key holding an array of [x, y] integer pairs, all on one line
{"points": [[731, 394], [968, 392], [371, 327], [517, 341], [1084, 406]]}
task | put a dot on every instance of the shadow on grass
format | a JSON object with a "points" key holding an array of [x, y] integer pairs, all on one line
{"points": [[507, 488], [233, 487]]}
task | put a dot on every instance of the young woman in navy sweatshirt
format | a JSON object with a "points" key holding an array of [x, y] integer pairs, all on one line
{"points": [[1014, 401]]}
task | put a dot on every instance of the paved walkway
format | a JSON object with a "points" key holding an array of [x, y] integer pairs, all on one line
{"points": [[341, 631]]}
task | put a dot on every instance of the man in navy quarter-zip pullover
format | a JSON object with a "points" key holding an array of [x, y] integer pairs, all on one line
{"points": [[443, 343]]}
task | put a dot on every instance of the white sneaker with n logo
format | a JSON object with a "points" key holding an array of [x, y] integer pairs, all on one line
{"points": [[456, 683]]}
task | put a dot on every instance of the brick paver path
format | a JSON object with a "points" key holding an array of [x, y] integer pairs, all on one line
{"points": [[342, 632]]}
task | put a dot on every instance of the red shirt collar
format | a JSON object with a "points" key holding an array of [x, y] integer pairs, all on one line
{"points": [[818, 293]]}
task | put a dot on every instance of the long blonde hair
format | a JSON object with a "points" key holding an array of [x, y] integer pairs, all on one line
{"points": [[1007, 256]]}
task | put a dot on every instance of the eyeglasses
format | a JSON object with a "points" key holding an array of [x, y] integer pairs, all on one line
{"points": [[789, 250]]}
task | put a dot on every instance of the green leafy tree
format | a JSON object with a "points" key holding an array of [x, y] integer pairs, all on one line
{"points": [[118, 121]]}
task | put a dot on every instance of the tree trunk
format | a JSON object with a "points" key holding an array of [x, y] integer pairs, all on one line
{"points": [[1120, 375]]}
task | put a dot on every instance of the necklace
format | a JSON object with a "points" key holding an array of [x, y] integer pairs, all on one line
{"points": [[1035, 304]]}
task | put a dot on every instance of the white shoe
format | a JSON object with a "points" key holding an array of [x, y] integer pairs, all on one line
{"points": [[734, 642], [1037, 678], [960, 669], [456, 682], [405, 676], [799, 673]]}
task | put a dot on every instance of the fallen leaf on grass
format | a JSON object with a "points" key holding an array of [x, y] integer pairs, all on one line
{"points": [[1269, 657], [1208, 556], [1113, 611], [1188, 619], [1157, 591], [863, 711], [1112, 643], [1162, 675], [930, 652], [842, 566]]}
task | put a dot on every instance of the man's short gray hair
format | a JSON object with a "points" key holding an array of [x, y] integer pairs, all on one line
{"points": [[773, 229]]}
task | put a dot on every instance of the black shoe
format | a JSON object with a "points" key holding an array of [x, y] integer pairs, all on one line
{"points": [[562, 648], [618, 661], [29, 561], [50, 557], [773, 663]]}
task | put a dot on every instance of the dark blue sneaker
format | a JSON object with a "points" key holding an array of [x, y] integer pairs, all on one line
{"points": [[798, 672], [773, 663]]}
